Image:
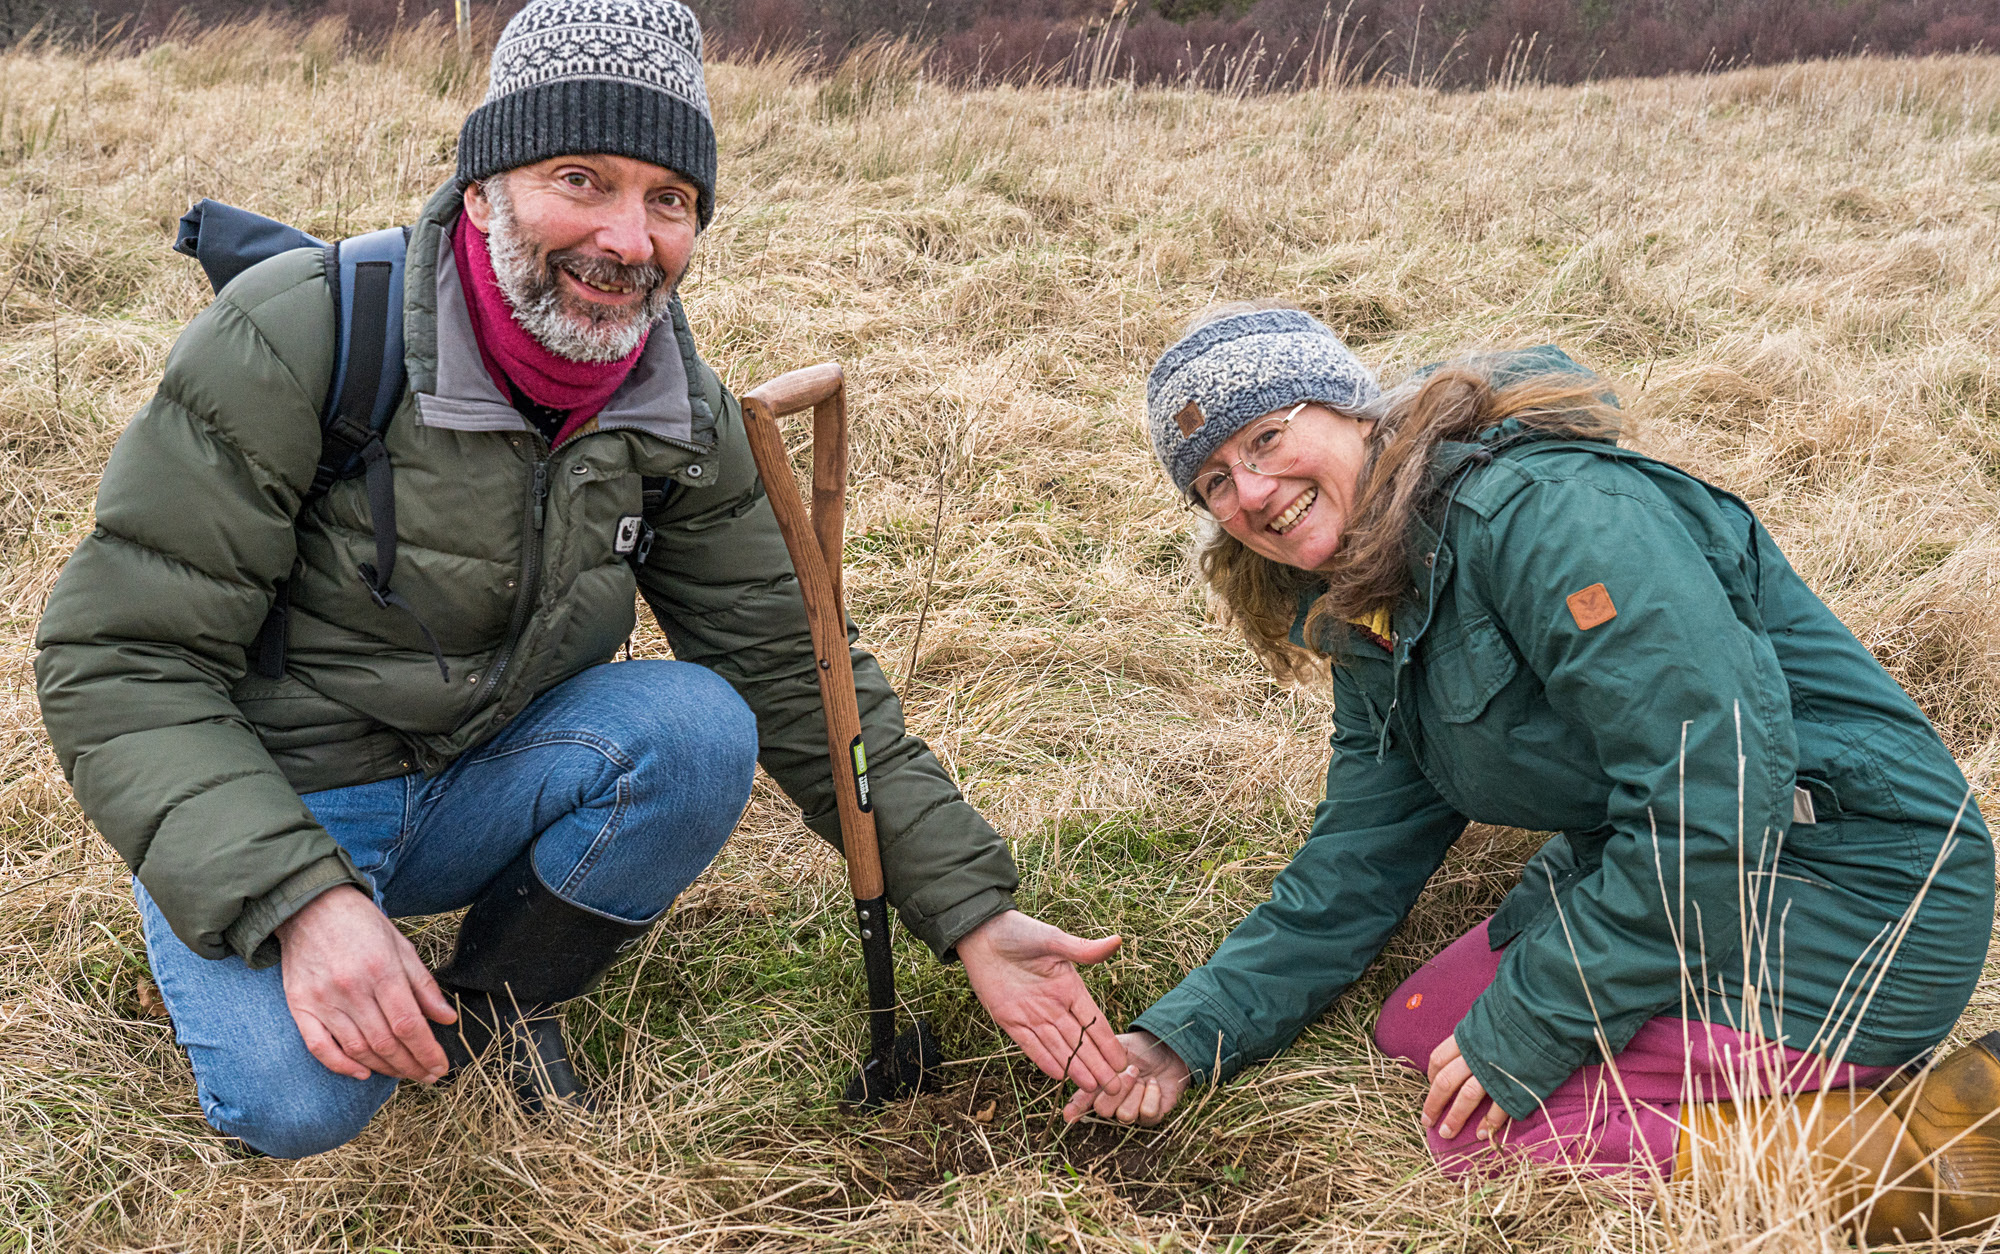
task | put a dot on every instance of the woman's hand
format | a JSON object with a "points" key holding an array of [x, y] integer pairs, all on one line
{"points": [[1155, 1079], [1455, 1094]]}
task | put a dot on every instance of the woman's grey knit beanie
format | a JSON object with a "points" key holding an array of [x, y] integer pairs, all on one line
{"points": [[1227, 373], [596, 76]]}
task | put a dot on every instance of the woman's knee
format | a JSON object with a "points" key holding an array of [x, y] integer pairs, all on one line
{"points": [[1429, 1005], [1402, 1031], [299, 1116]]}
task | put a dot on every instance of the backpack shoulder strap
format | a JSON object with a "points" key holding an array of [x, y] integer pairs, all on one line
{"points": [[365, 275], [367, 383], [365, 278]]}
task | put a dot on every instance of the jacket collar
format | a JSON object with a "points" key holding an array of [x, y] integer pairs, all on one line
{"points": [[453, 389], [1376, 630]]}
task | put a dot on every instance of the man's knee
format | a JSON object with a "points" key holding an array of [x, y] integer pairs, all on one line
{"points": [[731, 732], [703, 727], [300, 1117]]}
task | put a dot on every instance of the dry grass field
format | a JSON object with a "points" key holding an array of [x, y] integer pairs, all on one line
{"points": [[1793, 275]]}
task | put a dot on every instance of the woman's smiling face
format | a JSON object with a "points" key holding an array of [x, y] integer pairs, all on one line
{"points": [[1296, 516]]}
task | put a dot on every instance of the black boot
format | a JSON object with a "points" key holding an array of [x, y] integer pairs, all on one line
{"points": [[522, 951], [535, 1051]]}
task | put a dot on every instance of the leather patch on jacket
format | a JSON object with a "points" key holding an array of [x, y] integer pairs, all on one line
{"points": [[1591, 607], [1190, 418]]}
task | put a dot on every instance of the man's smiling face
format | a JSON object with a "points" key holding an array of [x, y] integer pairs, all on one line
{"points": [[587, 249]]}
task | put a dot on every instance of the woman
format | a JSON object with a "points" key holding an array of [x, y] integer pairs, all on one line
{"points": [[1535, 628]]}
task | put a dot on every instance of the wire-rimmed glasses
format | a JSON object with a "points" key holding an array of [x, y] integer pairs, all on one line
{"points": [[1267, 451]]}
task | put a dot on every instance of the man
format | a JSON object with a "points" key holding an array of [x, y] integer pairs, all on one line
{"points": [[443, 730]]}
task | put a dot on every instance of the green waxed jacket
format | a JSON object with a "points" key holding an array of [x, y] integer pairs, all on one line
{"points": [[1496, 704], [192, 766]]}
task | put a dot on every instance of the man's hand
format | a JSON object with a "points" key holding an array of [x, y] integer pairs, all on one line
{"points": [[1156, 1079], [358, 992], [1455, 1094], [1024, 973]]}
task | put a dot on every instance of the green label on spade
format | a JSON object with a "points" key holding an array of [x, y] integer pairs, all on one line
{"points": [[860, 752]]}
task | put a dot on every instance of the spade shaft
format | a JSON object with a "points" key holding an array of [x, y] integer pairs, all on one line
{"points": [[894, 1065]]}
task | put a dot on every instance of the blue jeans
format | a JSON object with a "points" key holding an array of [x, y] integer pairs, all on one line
{"points": [[626, 779]]}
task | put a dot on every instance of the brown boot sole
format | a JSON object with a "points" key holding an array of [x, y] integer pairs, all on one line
{"points": [[1953, 1115]]}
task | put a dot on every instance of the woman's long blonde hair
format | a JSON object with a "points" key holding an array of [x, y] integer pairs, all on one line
{"points": [[1372, 567]]}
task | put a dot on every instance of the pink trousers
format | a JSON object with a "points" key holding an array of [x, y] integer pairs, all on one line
{"points": [[1606, 1118]]}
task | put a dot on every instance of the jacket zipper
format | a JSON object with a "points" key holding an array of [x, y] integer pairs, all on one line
{"points": [[702, 450], [531, 578]]}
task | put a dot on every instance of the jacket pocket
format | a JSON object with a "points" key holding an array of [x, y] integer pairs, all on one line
{"points": [[1465, 668], [1823, 800]]}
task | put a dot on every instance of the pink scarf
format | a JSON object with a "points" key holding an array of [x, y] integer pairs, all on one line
{"points": [[579, 388]]}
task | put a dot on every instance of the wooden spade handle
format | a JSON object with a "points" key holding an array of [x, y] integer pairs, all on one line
{"points": [[799, 389], [815, 545]]}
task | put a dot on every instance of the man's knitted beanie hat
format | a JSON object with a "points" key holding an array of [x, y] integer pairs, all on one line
{"points": [[596, 76], [1230, 372]]}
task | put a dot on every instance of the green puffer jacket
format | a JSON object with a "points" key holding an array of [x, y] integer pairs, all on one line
{"points": [[1629, 736], [192, 767]]}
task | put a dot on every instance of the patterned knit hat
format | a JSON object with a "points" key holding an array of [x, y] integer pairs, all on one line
{"points": [[1230, 372], [596, 76]]}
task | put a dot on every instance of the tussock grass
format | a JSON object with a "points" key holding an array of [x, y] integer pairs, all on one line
{"points": [[1793, 274]]}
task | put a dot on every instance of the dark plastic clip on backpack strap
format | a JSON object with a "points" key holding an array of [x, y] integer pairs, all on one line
{"points": [[267, 651]]}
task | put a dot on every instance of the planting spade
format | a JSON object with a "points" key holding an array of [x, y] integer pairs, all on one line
{"points": [[898, 1064]]}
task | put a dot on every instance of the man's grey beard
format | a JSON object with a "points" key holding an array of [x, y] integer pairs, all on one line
{"points": [[566, 327]]}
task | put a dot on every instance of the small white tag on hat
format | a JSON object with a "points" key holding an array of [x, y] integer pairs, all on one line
{"points": [[1802, 808]]}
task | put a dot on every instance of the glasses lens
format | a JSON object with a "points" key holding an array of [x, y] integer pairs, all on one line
{"points": [[1270, 450], [1216, 494]]}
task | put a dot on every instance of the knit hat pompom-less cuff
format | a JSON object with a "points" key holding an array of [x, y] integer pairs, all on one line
{"points": [[621, 77], [1228, 373]]}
